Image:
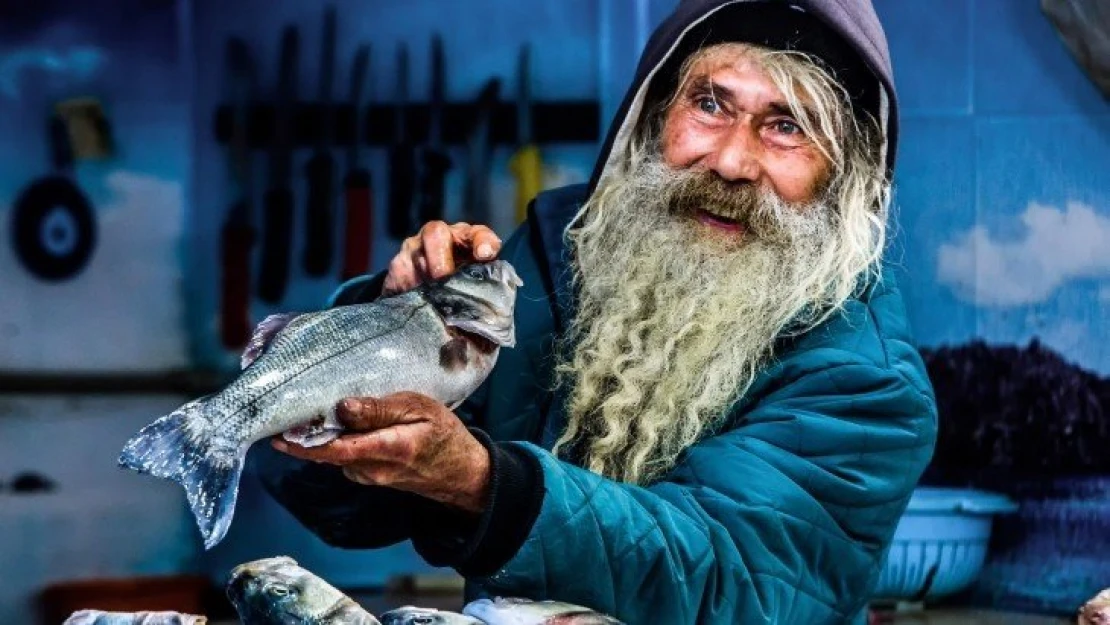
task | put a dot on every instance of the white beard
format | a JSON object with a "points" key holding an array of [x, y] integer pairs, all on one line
{"points": [[676, 318]]}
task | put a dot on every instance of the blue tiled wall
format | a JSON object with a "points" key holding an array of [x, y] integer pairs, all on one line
{"points": [[997, 117]]}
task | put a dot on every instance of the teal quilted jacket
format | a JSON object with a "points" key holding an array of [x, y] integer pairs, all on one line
{"points": [[783, 517]]}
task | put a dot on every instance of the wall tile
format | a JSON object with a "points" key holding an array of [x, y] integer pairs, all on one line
{"points": [[1044, 207], [1021, 66], [934, 193], [930, 49]]}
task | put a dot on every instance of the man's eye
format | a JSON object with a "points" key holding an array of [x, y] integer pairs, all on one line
{"points": [[708, 104], [787, 127]]}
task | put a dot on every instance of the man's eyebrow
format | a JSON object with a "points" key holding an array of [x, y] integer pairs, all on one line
{"points": [[781, 108], [706, 85]]}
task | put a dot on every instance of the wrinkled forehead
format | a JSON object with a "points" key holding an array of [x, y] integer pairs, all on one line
{"points": [[733, 69]]}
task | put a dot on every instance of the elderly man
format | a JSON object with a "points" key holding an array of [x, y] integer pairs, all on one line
{"points": [[714, 412]]}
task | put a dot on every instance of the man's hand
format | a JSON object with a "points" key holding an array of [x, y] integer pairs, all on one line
{"points": [[409, 442], [435, 251]]}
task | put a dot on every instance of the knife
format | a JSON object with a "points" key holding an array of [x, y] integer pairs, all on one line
{"points": [[476, 196], [434, 161], [319, 228], [237, 234], [402, 159], [525, 164], [358, 231], [278, 202]]}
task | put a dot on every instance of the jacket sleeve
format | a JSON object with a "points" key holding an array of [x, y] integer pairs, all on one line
{"points": [[784, 518]]}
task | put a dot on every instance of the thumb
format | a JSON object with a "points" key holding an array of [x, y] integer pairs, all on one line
{"points": [[366, 414]]}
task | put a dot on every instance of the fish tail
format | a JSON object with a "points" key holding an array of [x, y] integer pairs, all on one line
{"points": [[180, 447]]}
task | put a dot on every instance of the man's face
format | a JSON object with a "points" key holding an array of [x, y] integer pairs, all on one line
{"points": [[723, 230], [730, 118]]}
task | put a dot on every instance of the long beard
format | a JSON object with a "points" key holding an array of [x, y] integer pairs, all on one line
{"points": [[675, 319]]}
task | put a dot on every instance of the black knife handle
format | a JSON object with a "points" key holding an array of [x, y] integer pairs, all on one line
{"points": [[319, 220], [434, 167], [402, 191], [277, 239]]}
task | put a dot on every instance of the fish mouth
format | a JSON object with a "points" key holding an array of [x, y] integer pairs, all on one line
{"points": [[244, 574], [490, 335]]}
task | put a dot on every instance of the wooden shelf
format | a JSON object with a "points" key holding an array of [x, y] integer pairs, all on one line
{"points": [[191, 383]]}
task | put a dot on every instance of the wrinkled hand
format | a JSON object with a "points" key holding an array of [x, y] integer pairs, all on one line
{"points": [[409, 442], [435, 251]]}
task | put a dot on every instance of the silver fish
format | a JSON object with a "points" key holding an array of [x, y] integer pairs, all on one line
{"points": [[519, 611], [412, 615], [440, 339], [273, 591], [101, 617]]}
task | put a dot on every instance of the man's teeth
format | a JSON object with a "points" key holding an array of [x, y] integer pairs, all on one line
{"points": [[719, 217]]}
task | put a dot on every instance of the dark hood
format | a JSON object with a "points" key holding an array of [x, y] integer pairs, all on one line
{"points": [[845, 33]]}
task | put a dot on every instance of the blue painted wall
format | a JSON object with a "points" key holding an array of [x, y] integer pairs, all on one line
{"points": [[1001, 191], [124, 312]]}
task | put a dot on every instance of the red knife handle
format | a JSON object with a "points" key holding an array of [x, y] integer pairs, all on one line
{"points": [[235, 249], [358, 230]]}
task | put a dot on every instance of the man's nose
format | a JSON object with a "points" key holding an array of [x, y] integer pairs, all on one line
{"points": [[736, 157]]}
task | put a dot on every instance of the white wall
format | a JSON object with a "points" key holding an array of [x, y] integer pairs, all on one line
{"points": [[102, 521]]}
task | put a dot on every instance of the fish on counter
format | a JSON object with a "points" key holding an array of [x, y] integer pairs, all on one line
{"points": [[101, 617], [519, 611], [413, 615], [440, 339], [1097, 610], [278, 591]]}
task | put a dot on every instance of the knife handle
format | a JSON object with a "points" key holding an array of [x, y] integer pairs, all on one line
{"points": [[434, 167], [236, 240], [319, 228], [358, 231], [527, 167], [276, 241], [402, 191]]}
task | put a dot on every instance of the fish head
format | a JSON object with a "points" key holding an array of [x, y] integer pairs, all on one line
{"points": [[412, 615], [278, 590], [520, 611], [479, 298]]}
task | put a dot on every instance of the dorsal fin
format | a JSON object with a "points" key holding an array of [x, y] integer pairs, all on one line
{"points": [[264, 332]]}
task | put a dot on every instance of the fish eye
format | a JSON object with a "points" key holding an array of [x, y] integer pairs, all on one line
{"points": [[276, 590], [423, 619]]}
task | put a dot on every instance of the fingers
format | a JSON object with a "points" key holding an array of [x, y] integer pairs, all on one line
{"points": [[438, 243], [484, 242], [391, 445], [365, 414], [436, 251], [403, 272]]}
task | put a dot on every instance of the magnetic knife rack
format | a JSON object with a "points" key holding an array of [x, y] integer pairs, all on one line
{"points": [[569, 121]]}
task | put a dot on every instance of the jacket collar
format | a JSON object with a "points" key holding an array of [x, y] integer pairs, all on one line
{"points": [[552, 212]]}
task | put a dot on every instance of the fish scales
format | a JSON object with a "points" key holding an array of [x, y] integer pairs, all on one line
{"points": [[440, 339], [292, 373]]}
